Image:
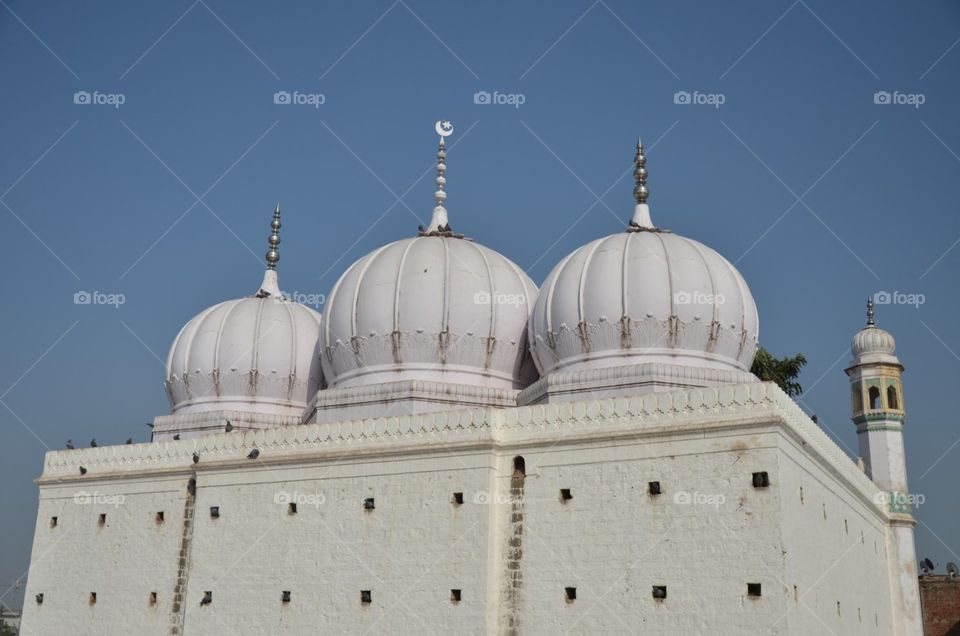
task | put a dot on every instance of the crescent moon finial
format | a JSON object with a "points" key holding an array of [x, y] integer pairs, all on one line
{"points": [[444, 128]]}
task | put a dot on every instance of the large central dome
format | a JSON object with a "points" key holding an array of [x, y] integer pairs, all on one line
{"points": [[436, 307], [644, 295]]}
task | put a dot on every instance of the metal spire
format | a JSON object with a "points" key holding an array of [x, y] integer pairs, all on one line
{"points": [[641, 211], [640, 192], [870, 321], [270, 285], [273, 255], [439, 221]]}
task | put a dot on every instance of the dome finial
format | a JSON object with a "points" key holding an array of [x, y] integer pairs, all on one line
{"points": [[273, 254], [870, 321], [439, 222], [641, 211], [270, 285]]}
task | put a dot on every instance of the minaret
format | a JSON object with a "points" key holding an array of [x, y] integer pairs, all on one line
{"points": [[878, 412], [270, 285]]}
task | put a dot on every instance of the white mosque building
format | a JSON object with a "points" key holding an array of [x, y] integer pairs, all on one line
{"points": [[449, 450]]}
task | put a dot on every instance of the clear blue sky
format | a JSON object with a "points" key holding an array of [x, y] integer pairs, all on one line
{"points": [[818, 194]]}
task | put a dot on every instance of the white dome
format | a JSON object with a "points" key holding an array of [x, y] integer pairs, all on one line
{"points": [[872, 340], [644, 296], [250, 354], [436, 308]]}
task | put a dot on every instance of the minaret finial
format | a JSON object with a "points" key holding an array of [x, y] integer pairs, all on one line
{"points": [[641, 211], [870, 321], [439, 221], [270, 285], [273, 254]]}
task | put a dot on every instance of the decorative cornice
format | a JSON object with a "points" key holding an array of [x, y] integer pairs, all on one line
{"points": [[653, 414]]}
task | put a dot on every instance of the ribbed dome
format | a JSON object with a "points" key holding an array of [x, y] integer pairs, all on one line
{"points": [[640, 297], [435, 307], [872, 339], [644, 295], [257, 354], [253, 354]]}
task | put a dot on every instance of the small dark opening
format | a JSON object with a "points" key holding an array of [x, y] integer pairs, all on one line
{"points": [[892, 401], [192, 487], [455, 596], [565, 494], [874, 395], [159, 517], [368, 504], [761, 479], [285, 596], [102, 520], [53, 522], [93, 598], [291, 508], [571, 593], [519, 465], [366, 597], [215, 512], [458, 498], [753, 589], [654, 488], [153, 598], [660, 591]]}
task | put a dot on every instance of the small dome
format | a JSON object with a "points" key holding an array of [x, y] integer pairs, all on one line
{"points": [[644, 295], [257, 354], [872, 342], [250, 354], [872, 339], [435, 307]]}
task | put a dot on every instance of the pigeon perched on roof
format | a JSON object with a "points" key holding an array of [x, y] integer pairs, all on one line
{"points": [[93, 443], [228, 427], [83, 471], [254, 454], [70, 445]]}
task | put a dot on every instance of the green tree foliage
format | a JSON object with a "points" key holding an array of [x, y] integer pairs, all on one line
{"points": [[784, 371]]}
